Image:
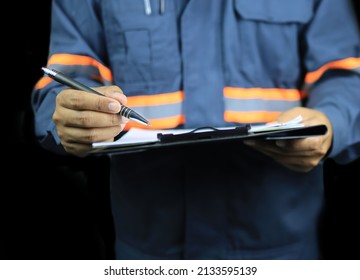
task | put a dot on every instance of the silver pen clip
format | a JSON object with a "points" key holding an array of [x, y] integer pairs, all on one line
{"points": [[147, 6]]}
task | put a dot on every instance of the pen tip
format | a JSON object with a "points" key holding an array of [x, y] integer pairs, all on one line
{"points": [[46, 70], [49, 72]]}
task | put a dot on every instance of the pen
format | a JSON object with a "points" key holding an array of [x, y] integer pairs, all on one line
{"points": [[65, 80], [148, 9], [147, 5]]}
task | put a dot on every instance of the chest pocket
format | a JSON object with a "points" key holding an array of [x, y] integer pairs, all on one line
{"points": [[143, 46], [265, 41], [275, 11]]}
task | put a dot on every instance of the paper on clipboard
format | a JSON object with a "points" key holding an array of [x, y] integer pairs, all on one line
{"points": [[148, 138]]}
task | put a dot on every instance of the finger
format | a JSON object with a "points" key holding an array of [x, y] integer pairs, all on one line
{"points": [[87, 119], [296, 163], [287, 147], [78, 149], [113, 92], [74, 135], [302, 145], [313, 147], [81, 100], [299, 164]]}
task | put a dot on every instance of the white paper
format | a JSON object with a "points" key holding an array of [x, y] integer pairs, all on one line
{"points": [[142, 136], [293, 123]]}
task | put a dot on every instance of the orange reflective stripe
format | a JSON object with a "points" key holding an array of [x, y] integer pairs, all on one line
{"points": [[43, 82], [347, 63], [263, 93], [73, 59], [156, 105], [250, 117], [165, 123], [157, 99], [253, 105]]}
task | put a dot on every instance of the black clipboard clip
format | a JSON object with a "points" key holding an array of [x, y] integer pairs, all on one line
{"points": [[203, 133]]}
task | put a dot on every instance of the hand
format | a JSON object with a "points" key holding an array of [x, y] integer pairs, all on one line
{"points": [[300, 155], [82, 118]]}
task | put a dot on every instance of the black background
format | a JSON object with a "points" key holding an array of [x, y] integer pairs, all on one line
{"points": [[57, 207]]}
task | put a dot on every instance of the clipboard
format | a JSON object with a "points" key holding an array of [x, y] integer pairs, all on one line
{"points": [[166, 138]]}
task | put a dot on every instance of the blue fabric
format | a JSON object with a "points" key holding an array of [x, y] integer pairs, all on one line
{"points": [[214, 201]]}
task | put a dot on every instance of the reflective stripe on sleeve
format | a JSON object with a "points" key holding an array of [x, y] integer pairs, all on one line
{"points": [[351, 63], [69, 63]]}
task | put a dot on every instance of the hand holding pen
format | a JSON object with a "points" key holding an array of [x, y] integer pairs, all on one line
{"points": [[82, 119], [65, 80]]}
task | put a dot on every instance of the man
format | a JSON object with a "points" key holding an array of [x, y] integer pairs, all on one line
{"points": [[195, 63]]}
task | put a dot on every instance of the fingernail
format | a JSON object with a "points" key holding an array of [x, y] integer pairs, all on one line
{"points": [[114, 107]]}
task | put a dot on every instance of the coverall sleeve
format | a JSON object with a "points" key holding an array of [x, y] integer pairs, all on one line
{"points": [[76, 48], [332, 50]]}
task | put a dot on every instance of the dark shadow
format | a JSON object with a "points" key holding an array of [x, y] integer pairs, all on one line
{"points": [[341, 234], [54, 207]]}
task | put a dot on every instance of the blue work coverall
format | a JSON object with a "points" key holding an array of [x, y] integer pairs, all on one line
{"points": [[195, 63]]}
